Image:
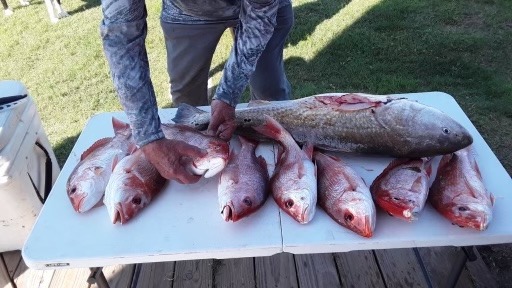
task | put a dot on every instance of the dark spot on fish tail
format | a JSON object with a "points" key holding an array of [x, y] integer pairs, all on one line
{"points": [[247, 120], [136, 200], [463, 209], [247, 201], [289, 203], [349, 217], [415, 169], [446, 130]]}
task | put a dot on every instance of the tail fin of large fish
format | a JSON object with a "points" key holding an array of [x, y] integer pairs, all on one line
{"points": [[185, 115]]}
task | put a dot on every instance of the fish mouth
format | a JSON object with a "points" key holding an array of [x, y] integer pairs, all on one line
{"points": [[411, 215], [77, 204], [117, 216], [216, 165], [304, 219], [367, 230], [228, 212]]}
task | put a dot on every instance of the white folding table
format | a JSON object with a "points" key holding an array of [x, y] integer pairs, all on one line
{"points": [[184, 221]]}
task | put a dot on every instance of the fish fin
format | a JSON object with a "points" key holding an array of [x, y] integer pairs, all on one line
{"points": [[352, 101], [280, 151], [308, 150], [416, 185], [94, 146], [119, 125], [491, 196], [248, 141], [301, 169], [262, 162], [115, 160], [257, 103], [132, 147], [392, 165], [444, 161], [270, 128], [428, 165], [186, 113]]}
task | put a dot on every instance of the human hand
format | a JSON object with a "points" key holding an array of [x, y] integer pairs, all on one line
{"points": [[222, 123], [171, 157]]}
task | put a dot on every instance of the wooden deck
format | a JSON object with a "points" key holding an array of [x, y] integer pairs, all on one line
{"points": [[378, 268]]}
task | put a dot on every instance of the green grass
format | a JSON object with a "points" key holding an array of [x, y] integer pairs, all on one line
{"points": [[462, 47]]}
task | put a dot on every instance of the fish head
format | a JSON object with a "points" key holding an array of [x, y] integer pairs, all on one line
{"points": [[358, 213], [85, 188], [470, 212], [400, 205], [215, 160], [129, 200], [239, 204], [299, 203], [440, 133]]}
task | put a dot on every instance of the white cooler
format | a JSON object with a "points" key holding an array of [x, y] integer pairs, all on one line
{"points": [[28, 167]]}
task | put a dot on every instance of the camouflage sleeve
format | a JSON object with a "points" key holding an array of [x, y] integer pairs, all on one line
{"points": [[123, 31], [257, 22]]}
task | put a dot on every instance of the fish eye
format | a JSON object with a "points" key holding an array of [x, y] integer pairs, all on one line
{"points": [[136, 200], [410, 201], [349, 217], [396, 198], [73, 190], [247, 201], [289, 203], [463, 209], [446, 130]]}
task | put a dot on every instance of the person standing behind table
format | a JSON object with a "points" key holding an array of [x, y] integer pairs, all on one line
{"points": [[192, 30]]}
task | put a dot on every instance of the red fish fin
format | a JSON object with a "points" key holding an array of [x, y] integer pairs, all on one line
{"points": [[416, 185], [94, 146], [270, 128], [301, 169], [445, 160], [256, 103], [132, 147], [392, 165], [352, 101], [119, 125], [262, 162], [133, 160], [428, 165], [280, 151], [248, 141], [308, 150]]}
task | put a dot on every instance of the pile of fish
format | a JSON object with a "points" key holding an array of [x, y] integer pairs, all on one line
{"points": [[115, 173], [413, 133]]}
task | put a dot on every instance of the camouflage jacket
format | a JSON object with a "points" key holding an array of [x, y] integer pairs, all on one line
{"points": [[123, 31]]}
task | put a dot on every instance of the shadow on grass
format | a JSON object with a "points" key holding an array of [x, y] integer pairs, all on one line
{"points": [[88, 4], [63, 149]]}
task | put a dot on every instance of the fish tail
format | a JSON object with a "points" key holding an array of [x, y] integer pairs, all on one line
{"points": [[186, 113]]}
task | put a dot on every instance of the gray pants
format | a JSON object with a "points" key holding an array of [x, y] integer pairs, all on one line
{"points": [[190, 50]]}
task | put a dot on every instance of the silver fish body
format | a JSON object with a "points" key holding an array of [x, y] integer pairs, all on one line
{"points": [[86, 183], [293, 183], [352, 123], [217, 149], [344, 196], [243, 184], [133, 184]]}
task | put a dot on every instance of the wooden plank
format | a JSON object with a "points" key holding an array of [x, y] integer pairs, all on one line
{"points": [[193, 273], [358, 269], [5, 278], [118, 275], [480, 273], [26, 277], [400, 268], [234, 273], [156, 275], [317, 270], [12, 259], [276, 271], [439, 262], [70, 278]]}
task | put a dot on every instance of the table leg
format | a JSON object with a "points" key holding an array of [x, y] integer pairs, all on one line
{"points": [[98, 277], [4, 270], [460, 262]]}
